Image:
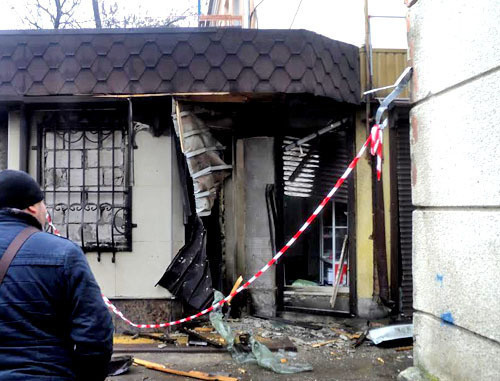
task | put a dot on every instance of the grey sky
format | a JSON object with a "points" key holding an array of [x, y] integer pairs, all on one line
{"points": [[338, 19]]}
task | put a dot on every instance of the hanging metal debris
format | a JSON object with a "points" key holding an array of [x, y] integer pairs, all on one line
{"points": [[202, 152]]}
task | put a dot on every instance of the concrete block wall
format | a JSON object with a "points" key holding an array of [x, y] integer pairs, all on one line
{"points": [[456, 187], [259, 171]]}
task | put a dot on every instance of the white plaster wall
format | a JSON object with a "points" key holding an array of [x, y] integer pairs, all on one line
{"points": [[455, 265], [14, 140], [452, 353], [455, 139], [456, 187], [157, 211], [451, 41]]}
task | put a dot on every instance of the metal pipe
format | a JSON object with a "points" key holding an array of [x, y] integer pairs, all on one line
{"points": [[316, 134], [378, 89], [199, 12]]}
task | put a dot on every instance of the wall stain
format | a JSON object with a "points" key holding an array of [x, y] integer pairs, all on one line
{"points": [[447, 318]]}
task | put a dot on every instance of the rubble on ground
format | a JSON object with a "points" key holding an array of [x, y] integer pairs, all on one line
{"points": [[302, 337]]}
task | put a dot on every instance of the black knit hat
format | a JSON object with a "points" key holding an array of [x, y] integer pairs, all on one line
{"points": [[18, 190]]}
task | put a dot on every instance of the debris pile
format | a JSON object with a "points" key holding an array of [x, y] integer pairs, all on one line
{"points": [[246, 349], [277, 344], [305, 335]]}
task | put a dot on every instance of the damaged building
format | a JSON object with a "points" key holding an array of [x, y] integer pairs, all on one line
{"points": [[180, 159]]}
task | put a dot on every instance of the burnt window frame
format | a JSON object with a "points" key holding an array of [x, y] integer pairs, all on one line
{"points": [[97, 119]]}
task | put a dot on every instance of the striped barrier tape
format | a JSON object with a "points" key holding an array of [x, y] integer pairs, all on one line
{"points": [[375, 147], [51, 225], [374, 140], [377, 143]]}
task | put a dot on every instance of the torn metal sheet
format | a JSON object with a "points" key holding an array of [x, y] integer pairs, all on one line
{"points": [[203, 157], [188, 276], [119, 365], [390, 333]]}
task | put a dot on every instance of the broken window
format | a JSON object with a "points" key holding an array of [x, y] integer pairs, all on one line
{"points": [[84, 174], [309, 172], [333, 234]]}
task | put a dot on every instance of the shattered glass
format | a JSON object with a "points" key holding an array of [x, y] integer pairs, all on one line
{"points": [[281, 363]]}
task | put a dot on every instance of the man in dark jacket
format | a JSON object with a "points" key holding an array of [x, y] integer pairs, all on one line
{"points": [[54, 324]]}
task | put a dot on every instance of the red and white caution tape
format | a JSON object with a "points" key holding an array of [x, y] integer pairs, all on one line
{"points": [[374, 140], [376, 147], [292, 240], [51, 224]]}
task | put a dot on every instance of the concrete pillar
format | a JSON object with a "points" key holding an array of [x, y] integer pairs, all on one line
{"points": [[259, 170], [18, 140], [14, 141], [456, 187]]}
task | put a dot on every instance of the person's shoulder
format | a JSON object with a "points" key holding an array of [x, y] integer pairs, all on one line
{"points": [[55, 243]]}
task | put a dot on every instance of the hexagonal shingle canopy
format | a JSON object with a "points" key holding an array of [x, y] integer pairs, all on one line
{"points": [[193, 60]]}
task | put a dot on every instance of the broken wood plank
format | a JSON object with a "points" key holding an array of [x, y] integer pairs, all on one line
{"points": [[339, 274], [192, 373], [181, 339], [179, 124], [153, 348], [158, 337], [323, 343], [204, 329], [129, 340], [235, 287], [407, 348], [212, 341], [349, 335]]}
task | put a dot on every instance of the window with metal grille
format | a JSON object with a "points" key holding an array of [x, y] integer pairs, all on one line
{"points": [[84, 172]]}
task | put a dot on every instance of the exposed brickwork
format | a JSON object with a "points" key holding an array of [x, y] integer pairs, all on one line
{"points": [[177, 60], [146, 311]]}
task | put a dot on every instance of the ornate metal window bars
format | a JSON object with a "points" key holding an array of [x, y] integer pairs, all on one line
{"points": [[84, 170]]}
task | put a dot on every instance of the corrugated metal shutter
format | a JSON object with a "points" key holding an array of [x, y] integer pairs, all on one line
{"points": [[316, 167], [405, 215], [300, 168], [334, 160]]}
